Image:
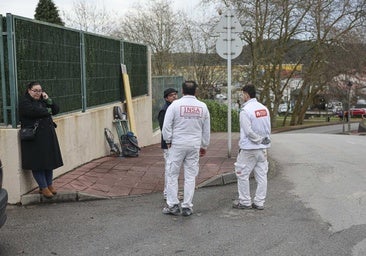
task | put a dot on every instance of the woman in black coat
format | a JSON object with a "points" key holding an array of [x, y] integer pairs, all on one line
{"points": [[41, 155]]}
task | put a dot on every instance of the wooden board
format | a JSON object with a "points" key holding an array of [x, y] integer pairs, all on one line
{"points": [[127, 89]]}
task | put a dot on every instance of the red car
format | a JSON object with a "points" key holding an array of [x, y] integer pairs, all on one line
{"points": [[355, 112]]}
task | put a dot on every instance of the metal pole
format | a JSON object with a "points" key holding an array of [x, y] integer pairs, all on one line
{"points": [[2, 72], [229, 83], [343, 120], [83, 72], [349, 106], [13, 82]]}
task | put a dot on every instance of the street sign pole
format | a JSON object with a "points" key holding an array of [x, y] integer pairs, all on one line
{"points": [[229, 48], [229, 84]]}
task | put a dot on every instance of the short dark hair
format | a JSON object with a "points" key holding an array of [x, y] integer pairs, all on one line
{"points": [[250, 89], [189, 87]]}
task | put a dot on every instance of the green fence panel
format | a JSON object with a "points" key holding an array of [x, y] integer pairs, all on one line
{"points": [[73, 67], [50, 55], [135, 59], [159, 84], [103, 70]]}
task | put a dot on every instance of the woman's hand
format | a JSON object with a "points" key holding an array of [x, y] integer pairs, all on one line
{"points": [[44, 95]]}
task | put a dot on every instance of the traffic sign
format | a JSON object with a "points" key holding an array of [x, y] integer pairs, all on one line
{"points": [[236, 46], [222, 26]]}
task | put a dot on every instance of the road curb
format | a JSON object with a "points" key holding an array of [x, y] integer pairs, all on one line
{"points": [[219, 180], [228, 178], [69, 196], [75, 196]]}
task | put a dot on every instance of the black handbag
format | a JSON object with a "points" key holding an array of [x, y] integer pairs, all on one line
{"points": [[28, 133]]}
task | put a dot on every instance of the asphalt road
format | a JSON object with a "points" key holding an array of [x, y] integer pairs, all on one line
{"points": [[315, 206], [328, 175]]}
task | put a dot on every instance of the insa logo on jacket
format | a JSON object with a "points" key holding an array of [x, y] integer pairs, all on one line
{"points": [[191, 111], [260, 113]]}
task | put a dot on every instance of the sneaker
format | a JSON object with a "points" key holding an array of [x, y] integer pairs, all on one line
{"points": [[238, 205], [186, 211], [257, 207], [174, 210]]}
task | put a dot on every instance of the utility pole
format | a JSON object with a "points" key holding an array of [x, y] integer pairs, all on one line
{"points": [[349, 84]]}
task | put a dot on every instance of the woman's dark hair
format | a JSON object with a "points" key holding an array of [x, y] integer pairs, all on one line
{"points": [[250, 89], [189, 87], [30, 85]]}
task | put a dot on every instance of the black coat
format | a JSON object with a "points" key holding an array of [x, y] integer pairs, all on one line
{"points": [[42, 153], [161, 117]]}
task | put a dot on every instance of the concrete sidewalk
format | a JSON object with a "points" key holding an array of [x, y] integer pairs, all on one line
{"points": [[110, 177]]}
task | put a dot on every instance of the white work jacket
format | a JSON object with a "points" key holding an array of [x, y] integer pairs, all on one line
{"points": [[187, 123], [255, 125]]}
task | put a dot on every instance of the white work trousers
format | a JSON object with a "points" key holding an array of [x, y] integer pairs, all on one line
{"points": [[246, 162], [190, 158], [165, 152]]}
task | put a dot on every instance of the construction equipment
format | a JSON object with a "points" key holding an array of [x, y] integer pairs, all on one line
{"points": [[127, 90], [114, 149], [127, 139]]}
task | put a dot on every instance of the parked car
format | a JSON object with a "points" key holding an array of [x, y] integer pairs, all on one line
{"points": [[221, 97], [335, 106], [3, 198], [282, 108], [355, 112]]}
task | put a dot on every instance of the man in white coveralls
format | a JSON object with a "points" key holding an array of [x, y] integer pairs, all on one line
{"points": [[186, 131], [255, 129]]}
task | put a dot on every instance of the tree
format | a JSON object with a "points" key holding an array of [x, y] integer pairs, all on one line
{"points": [[329, 25], [275, 28], [157, 25], [47, 11], [204, 66], [271, 28], [88, 17]]}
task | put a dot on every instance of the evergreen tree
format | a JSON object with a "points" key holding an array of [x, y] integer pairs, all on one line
{"points": [[47, 11]]}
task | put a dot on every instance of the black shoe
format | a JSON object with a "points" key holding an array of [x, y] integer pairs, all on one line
{"points": [[187, 211], [174, 210], [238, 205], [257, 207]]}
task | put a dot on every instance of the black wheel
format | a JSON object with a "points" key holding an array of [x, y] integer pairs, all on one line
{"points": [[112, 145]]}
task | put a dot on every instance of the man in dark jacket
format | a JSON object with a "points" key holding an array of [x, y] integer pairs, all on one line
{"points": [[170, 95]]}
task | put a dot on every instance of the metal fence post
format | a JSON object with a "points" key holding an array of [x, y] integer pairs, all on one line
{"points": [[122, 52], [83, 72], [12, 68], [2, 66]]}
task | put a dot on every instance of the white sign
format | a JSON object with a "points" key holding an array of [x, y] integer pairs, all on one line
{"points": [[222, 26], [236, 46]]}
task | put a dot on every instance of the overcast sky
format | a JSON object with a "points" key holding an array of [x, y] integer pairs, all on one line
{"points": [[26, 8]]}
